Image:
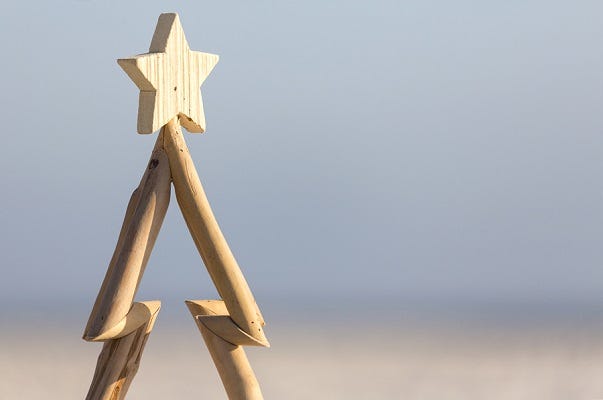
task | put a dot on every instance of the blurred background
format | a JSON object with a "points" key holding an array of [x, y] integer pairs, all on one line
{"points": [[412, 189]]}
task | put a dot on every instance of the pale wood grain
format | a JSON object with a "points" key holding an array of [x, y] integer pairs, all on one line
{"points": [[144, 216], [216, 255], [230, 360], [215, 317], [120, 358], [136, 317], [169, 77]]}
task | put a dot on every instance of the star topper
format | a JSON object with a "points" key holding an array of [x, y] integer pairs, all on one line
{"points": [[169, 77]]}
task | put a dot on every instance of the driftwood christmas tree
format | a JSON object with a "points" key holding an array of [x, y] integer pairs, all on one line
{"points": [[169, 77]]}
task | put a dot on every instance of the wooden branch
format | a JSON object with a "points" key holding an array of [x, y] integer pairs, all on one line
{"points": [[169, 78], [136, 317], [119, 359], [144, 216], [208, 238], [230, 360]]}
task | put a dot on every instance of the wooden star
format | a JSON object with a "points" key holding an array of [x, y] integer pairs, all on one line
{"points": [[169, 77]]}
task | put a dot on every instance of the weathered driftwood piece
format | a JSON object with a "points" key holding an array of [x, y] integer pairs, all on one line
{"points": [[208, 238], [144, 216], [169, 77], [119, 359], [230, 359]]}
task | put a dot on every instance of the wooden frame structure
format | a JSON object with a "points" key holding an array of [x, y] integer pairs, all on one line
{"points": [[169, 77]]}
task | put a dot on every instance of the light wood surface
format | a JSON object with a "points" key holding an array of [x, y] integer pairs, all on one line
{"points": [[119, 359], [215, 317], [139, 314], [169, 77], [144, 216], [216, 255], [230, 360]]}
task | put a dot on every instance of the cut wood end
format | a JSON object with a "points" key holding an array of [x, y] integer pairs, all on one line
{"points": [[141, 313], [190, 125], [213, 315], [144, 125], [133, 67], [206, 307], [165, 24], [224, 327]]}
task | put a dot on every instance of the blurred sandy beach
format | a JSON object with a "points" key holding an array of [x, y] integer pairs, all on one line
{"points": [[351, 359]]}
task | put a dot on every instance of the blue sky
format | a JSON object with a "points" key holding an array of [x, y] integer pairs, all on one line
{"points": [[358, 151]]}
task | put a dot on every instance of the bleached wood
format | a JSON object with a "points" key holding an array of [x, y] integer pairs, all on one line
{"points": [[216, 255], [144, 216], [169, 78], [231, 361], [224, 327], [138, 315], [119, 359], [214, 315]]}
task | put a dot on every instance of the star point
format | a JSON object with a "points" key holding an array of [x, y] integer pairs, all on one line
{"points": [[169, 77]]}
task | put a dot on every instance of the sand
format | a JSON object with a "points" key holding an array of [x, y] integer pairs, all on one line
{"points": [[327, 361]]}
